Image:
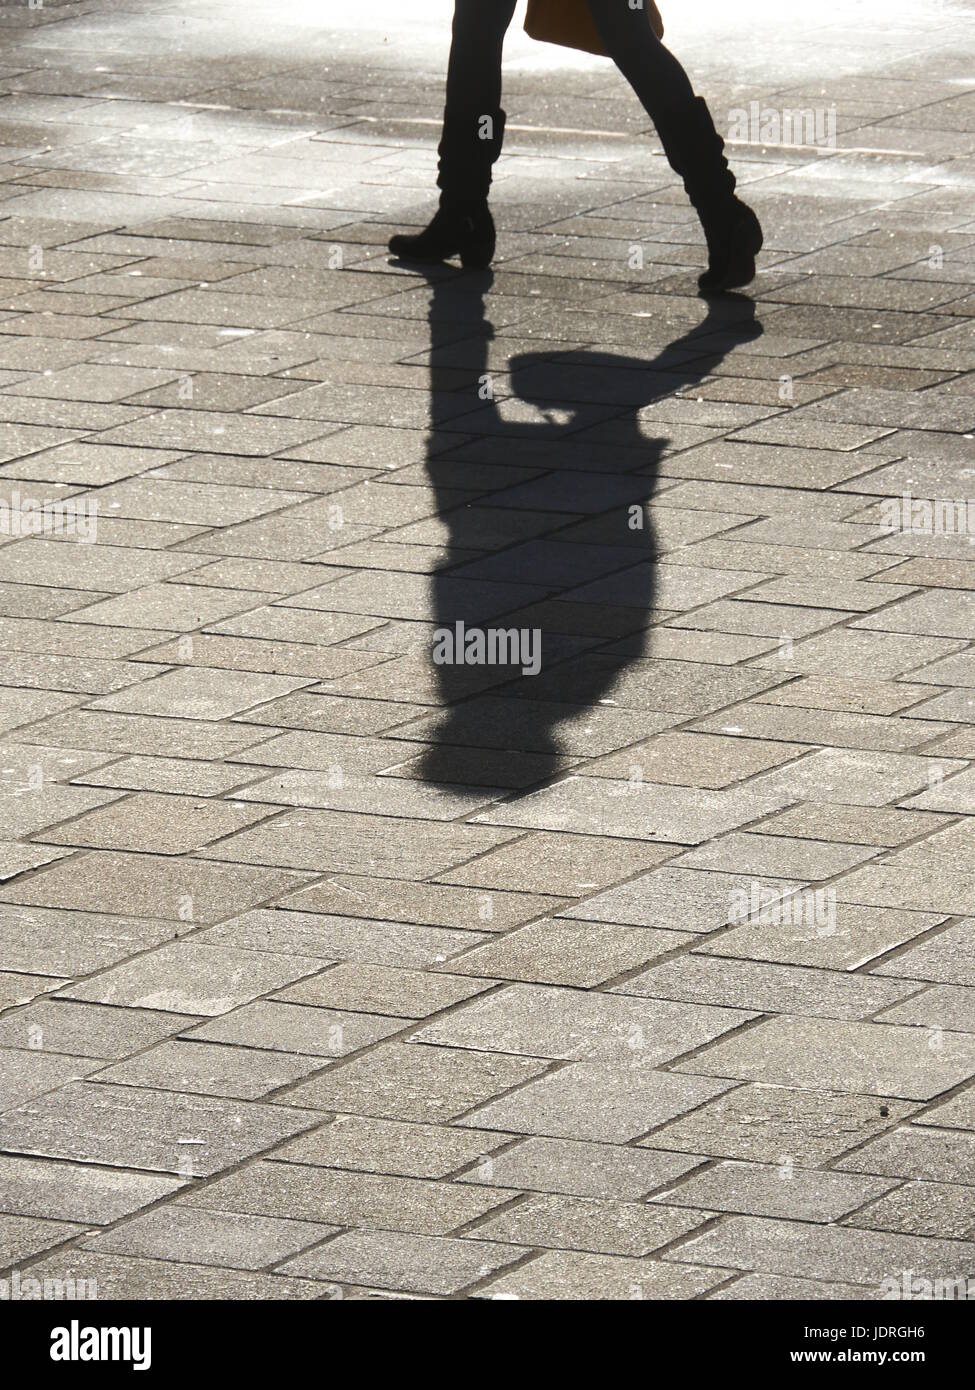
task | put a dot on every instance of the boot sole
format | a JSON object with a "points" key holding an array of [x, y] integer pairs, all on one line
{"points": [[470, 260], [405, 254]]}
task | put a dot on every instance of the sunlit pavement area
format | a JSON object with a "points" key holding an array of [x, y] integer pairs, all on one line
{"points": [[332, 972]]}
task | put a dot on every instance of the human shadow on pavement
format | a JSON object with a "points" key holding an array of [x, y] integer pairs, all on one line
{"points": [[546, 586]]}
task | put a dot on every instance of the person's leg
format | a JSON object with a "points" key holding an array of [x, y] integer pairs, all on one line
{"points": [[650, 68], [473, 127], [693, 147], [473, 130]]}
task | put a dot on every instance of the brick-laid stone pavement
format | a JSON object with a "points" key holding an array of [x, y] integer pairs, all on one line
{"points": [[328, 970]]}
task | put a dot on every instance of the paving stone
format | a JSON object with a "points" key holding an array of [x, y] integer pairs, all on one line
{"points": [[388, 1146], [22, 1237], [695, 760], [127, 1127], [22, 988], [380, 989], [154, 822], [774, 856], [394, 944], [131, 1279], [857, 825], [679, 686], [77, 1192], [921, 1209], [720, 648], [580, 1169], [778, 1288], [181, 606], [18, 859], [165, 499], [245, 1073], [544, 863], [87, 1030], [950, 670], [187, 978], [642, 811], [28, 811], [191, 1236], [111, 569], [954, 1113], [490, 722], [296, 1192], [954, 706], [596, 1101], [25, 1074], [787, 623], [946, 846], [813, 932], [400, 1081], [58, 943], [331, 714], [301, 534], [769, 1124], [295, 625], [942, 1006], [423, 903], [866, 1058], [916, 1151], [942, 612], [298, 660], [544, 1021], [826, 1252], [956, 794], [561, 952], [135, 733], [785, 559], [296, 1028], [567, 1274], [888, 885], [360, 844], [783, 1190], [679, 899], [363, 792], [71, 674], [837, 728], [199, 694], [110, 882], [584, 1223], [746, 984], [852, 777], [861, 654], [394, 1260], [958, 744], [200, 429], [182, 776], [828, 592], [839, 693]]}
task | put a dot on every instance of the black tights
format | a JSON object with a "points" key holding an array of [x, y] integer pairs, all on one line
{"points": [[474, 78]]}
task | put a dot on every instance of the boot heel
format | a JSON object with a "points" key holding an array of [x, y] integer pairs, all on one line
{"points": [[478, 243], [476, 256]]}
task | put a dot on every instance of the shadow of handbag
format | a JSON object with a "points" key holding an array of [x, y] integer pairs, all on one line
{"points": [[569, 23]]}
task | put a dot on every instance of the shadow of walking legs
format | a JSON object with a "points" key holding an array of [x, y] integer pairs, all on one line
{"points": [[547, 586]]}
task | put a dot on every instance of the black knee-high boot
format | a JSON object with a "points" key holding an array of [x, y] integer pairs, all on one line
{"points": [[695, 151], [463, 225]]}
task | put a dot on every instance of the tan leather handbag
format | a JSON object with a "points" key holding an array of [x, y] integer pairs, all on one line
{"points": [[569, 23]]}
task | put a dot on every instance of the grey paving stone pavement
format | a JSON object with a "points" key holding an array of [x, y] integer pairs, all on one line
{"points": [[328, 968]]}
